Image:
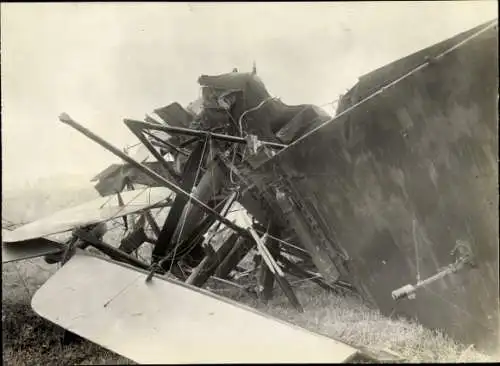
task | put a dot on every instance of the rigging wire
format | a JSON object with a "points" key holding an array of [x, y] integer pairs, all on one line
{"points": [[415, 241], [281, 241], [128, 147]]}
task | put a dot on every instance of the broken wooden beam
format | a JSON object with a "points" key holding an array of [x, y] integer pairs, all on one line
{"points": [[240, 249], [192, 244], [209, 264], [110, 250], [266, 277], [271, 263], [298, 271], [276, 271]]}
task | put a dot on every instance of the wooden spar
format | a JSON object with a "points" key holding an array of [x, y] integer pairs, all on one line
{"points": [[297, 271], [272, 265], [237, 253], [152, 174], [295, 252], [276, 271], [196, 133], [264, 252], [192, 240], [266, 276], [210, 263], [109, 249]]}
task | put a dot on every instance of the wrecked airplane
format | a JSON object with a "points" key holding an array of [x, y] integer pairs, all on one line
{"points": [[394, 198]]}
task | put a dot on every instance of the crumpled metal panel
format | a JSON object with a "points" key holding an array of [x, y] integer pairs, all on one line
{"points": [[397, 181]]}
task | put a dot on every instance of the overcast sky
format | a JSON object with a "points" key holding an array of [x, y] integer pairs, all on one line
{"points": [[101, 63]]}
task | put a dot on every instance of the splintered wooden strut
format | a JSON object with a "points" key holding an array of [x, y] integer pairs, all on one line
{"points": [[271, 263]]}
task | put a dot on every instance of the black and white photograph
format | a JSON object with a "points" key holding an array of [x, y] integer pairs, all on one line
{"points": [[250, 182]]}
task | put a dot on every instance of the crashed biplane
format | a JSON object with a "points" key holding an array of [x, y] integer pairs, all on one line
{"points": [[394, 198]]}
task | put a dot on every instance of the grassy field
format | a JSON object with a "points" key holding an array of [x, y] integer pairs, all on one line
{"points": [[29, 339]]}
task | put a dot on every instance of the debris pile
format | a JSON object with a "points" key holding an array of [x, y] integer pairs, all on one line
{"points": [[206, 151]]}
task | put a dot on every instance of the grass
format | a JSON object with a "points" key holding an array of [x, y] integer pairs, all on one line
{"points": [[346, 318], [29, 339]]}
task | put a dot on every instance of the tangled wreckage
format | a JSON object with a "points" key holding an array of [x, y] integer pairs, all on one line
{"points": [[394, 198]]}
